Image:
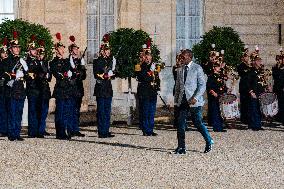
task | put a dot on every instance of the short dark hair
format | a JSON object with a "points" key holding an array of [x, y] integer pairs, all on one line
{"points": [[188, 51]]}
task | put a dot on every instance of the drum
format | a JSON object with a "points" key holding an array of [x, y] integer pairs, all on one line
{"points": [[268, 104], [229, 106]]}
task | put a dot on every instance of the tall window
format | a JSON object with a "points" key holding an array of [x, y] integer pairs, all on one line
{"points": [[189, 23], [101, 19], [7, 9]]}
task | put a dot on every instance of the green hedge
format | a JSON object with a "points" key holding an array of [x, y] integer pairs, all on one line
{"points": [[224, 38], [126, 44], [26, 30]]}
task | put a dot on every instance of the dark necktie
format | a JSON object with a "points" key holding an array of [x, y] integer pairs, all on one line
{"points": [[185, 73]]}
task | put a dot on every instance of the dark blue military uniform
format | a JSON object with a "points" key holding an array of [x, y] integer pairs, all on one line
{"points": [[254, 84], [43, 79], [64, 92], [147, 96], [15, 94], [243, 70], [104, 93], [33, 90], [216, 83], [80, 71], [3, 110], [278, 89]]}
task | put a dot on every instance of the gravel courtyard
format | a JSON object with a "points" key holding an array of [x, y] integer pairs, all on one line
{"points": [[240, 159]]}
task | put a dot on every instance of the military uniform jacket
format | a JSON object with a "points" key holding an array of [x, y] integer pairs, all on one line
{"points": [[243, 71], [278, 77], [16, 90], [253, 82], [145, 87], [103, 87], [43, 79], [64, 87], [33, 89], [216, 83], [81, 74], [2, 80]]}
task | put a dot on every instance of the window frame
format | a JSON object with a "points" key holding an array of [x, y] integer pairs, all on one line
{"points": [[15, 10], [187, 17], [99, 26]]}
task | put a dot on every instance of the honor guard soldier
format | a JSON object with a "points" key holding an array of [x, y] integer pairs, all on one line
{"points": [[16, 73], [243, 69], [3, 110], [63, 92], [148, 86], [43, 79], [215, 88], [33, 90], [254, 87], [78, 65], [213, 56], [103, 69], [278, 87]]}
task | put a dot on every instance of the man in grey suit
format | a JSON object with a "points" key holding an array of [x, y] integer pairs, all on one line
{"points": [[190, 87]]}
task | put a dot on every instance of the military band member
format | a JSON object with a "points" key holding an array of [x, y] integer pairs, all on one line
{"points": [[43, 79], [278, 87], [63, 92], [33, 90], [103, 70], [215, 88], [254, 87], [243, 70], [147, 93], [3, 110], [16, 73], [78, 65], [213, 57]]}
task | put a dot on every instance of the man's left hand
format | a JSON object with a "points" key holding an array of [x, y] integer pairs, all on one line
{"points": [[192, 101]]}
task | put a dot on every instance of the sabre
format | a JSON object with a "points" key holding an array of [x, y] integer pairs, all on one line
{"points": [[168, 108]]}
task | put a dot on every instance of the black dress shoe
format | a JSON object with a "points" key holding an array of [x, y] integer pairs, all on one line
{"points": [[208, 148], [46, 133], [19, 139], [3, 135], [180, 151], [154, 134], [220, 131], [187, 129], [257, 129], [79, 134], [109, 135], [40, 136], [64, 137], [11, 138], [103, 136], [31, 136]]}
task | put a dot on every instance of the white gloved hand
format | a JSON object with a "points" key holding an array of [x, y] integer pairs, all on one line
{"points": [[110, 73], [72, 62], [113, 63], [47, 75], [69, 73], [153, 67], [24, 64], [83, 63], [19, 74], [10, 83]]}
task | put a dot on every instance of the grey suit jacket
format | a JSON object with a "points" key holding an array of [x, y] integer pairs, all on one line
{"points": [[194, 86]]}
